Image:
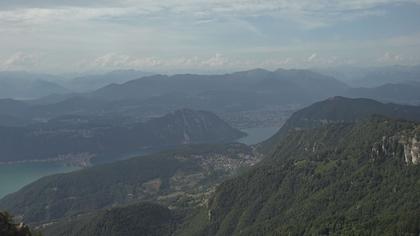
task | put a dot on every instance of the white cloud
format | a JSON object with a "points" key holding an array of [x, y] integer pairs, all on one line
{"points": [[389, 57], [37, 16], [188, 33], [312, 57], [215, 61], [117, 61], [309, 13], [18, 61], [114, 60], [272, 63]]}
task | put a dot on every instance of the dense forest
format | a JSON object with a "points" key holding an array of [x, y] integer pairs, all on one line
{"points": [[342, 179], [146, 219], [99, 139], [339, 110], [181, 177], [8, 226]]}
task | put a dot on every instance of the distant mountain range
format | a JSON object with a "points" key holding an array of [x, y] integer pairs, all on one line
{"points": [[236, 89], [141, 99], [92, 82], [82, 138], [26, 85], [374, 76], [390, 83], [404, 93], [22, 85], [398, 84], [229, 93]]}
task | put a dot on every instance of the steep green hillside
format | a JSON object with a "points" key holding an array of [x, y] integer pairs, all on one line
{"points": [[145, 219], [341, 179], [182, 177], [339, 110]]}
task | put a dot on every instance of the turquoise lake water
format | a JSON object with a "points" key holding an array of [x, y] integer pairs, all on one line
{"points": [[257, 135], [15, 176]]}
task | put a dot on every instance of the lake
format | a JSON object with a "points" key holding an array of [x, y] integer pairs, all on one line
{"points": [[257, 135], [15, 176]]}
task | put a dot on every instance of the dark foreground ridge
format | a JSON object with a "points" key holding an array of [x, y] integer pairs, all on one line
{"points": [[8, 227], [342, 179]]}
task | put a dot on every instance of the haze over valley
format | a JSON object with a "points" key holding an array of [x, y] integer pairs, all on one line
{"points": [[209, 118]]}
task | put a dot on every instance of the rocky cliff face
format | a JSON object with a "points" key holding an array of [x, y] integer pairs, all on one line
{"points": [[405, 146], [412, 150]]}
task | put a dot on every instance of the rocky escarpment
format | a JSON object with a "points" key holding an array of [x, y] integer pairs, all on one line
{"points": [[412, 150], [406, 147]]}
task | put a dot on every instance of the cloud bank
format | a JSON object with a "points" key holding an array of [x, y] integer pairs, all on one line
{"points": [[73, 35]]}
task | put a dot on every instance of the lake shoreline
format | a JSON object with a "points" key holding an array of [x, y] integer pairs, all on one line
{"points": [[15, 176], [81, 160]]}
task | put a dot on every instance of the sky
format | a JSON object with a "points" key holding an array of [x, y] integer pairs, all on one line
{"points": [[66, 36]]}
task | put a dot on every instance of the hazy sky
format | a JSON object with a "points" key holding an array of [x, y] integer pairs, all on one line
{"points": [[198, 35]]}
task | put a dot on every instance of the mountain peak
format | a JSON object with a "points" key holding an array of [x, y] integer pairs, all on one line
{"points": [[337, 98], [339, 109]]}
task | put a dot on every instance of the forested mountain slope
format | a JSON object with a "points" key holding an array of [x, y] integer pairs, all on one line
{"points": [[81, 138], [146, 219], [341, 179], [181, 177], [339, 110]]}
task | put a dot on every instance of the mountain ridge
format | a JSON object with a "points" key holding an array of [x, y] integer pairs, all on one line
{"points": [[340, 109], [82, 138], [343, 178]]}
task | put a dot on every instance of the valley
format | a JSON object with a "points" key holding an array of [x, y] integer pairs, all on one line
{"points": [[209, 118], [90, 139], [181, 177], [25, 172], [15, 176], [238, 169], [312, 158]]}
